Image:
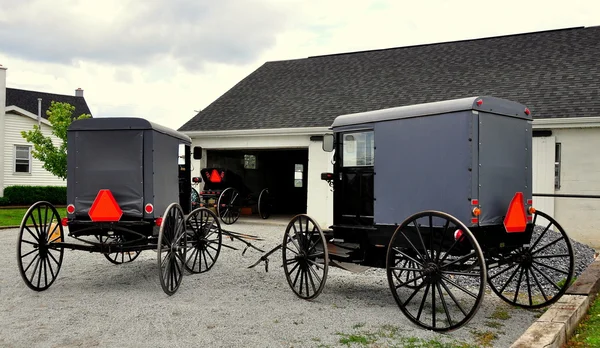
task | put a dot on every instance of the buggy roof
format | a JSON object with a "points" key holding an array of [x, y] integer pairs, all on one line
{"points": [[124, 123], [490, 104]]}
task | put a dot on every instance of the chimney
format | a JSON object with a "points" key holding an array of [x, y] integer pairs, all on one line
{"points": [[39, 111], [79, 92], [2, 123]]}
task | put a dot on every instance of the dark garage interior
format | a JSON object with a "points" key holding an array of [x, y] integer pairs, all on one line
{"points": [[283, 171]]}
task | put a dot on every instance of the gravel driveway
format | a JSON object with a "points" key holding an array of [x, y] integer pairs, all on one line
{"points": [[95, 303]]}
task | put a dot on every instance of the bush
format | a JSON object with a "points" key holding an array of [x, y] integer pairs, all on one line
{"points": [[4, 201], [27, 195]]}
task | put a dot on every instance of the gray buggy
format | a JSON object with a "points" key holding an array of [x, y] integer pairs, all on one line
{"points": [[439, 195], [128, 190]]}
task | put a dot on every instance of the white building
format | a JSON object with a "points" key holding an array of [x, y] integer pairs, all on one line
{"points": [[20, 110], [275, 116]]}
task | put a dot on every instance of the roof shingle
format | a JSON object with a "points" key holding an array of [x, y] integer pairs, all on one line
{"points": [[555, 73]]}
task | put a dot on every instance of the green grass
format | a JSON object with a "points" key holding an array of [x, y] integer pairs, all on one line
{"points": [[500, 314], [389, 336], [14, 216], [587, 333]]}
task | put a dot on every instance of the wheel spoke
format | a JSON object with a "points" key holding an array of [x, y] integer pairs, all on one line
{"points": [[550, 267], [439, 289], [456, 285]]}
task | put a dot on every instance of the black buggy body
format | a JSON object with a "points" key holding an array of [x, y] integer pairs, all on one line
{"points": [[136, 160]]}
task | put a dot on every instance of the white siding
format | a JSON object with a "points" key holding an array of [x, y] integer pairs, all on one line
{"points": [[580, 174], [12, 136], [543, 173]]}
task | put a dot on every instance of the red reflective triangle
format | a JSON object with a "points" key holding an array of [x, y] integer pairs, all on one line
{"points": [[214, 176], [105, 207], [516, 218]]}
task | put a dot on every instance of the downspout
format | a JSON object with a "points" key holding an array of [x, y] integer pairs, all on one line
{"points": [[39, 112]]}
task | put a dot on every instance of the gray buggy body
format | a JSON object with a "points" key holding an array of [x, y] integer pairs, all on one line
{"points": [[441, 156], [133, 158]]}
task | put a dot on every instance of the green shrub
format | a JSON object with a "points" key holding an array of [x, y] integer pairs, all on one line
{"points": [[27, 195], [4, 201]]}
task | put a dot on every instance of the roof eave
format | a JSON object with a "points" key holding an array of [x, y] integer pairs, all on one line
{"points": [[259, 132], [566, 122], [22, 112]]}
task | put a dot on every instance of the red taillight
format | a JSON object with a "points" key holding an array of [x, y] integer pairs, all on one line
{"points": [[105, 207], [70, 208], [516, 218], [149, 208], [458, 235], [475, 202], [527, 112], [479, 102], [529, 202], [158, 221], [64, 221]]}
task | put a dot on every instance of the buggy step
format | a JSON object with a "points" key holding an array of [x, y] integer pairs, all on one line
{"points": [[348, 266], [342, 249]]}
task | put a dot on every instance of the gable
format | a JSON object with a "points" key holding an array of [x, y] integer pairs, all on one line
{"points": [[554, 73]]}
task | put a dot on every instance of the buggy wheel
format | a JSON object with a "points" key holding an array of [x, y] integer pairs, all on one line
{"points": [[305, 257], [38, 257], [204, 238], [118, 257], [228, 205], [265, 204], [538, 274], [445, 267], [171, 248]]}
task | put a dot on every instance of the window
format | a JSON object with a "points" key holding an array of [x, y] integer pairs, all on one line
{"points": [[557, 166], [359, 149], [22, 159], [249, 162]]}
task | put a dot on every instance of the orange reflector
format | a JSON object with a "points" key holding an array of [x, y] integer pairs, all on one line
{"points": [[531, 210], [105, 207], [476, 211], [516, 219], [214, 176]]}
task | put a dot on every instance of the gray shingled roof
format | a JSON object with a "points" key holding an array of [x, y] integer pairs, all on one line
{"points": [[27, 100], [555, 73]]}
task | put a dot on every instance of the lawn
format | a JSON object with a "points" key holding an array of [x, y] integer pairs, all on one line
{"points": [[587, 333], [13, 217]]}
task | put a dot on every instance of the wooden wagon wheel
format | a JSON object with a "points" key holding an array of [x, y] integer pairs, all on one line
{"points": [[538, 274], [38, 260], [305, 257], [265, 204], [118, 257], [447, 268], [229, 205], [171, 248], [204, 238]]}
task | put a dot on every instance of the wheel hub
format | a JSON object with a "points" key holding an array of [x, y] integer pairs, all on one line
{"points": [[432, 272]]}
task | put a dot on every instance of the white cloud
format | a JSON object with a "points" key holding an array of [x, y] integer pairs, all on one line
{"points": [[163, 60]]}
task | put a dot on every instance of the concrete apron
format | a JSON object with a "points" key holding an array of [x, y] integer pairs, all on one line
{"points": [[555, 327]]}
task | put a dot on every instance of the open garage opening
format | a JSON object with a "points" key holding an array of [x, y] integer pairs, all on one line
{"points": [[283, 171]]}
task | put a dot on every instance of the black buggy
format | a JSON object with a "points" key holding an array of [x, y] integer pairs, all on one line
{"points": [[439, 195], [226, 191], [128, 190]]}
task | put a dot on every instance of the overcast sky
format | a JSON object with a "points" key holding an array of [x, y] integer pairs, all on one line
{"points": [[165, 59]]}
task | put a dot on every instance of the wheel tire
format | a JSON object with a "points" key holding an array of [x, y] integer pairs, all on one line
{"points": [[229, 205], [40, 228], [171, 242], [545, 283], [265, 204], [204, 239], [305, 240], [443, 258]]}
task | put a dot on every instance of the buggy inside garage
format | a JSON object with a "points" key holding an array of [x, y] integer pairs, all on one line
{"points": [[283, 171]]}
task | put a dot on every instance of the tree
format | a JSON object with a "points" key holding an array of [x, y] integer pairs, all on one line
{"points": [[60, 116]]}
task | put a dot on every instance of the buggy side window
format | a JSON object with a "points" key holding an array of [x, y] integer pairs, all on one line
{"points": [[359, 149]]}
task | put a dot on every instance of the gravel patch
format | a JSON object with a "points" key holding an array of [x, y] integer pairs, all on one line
{"points": [[96, 303]]}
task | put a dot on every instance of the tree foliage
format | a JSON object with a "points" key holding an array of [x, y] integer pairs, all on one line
{"points": [[60, 116]]}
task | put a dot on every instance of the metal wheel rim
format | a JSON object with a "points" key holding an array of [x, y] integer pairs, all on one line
{"points": [[531, 276], [228, 211], [171, 242], [305, 268], [32, 246], [263, 210], [441, 279], [199, 242]]}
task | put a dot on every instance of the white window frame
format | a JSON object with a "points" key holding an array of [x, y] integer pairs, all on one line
{"points": [[15, 159]]}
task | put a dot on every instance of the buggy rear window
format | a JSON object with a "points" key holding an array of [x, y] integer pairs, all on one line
{"points": [[359, 149]]}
